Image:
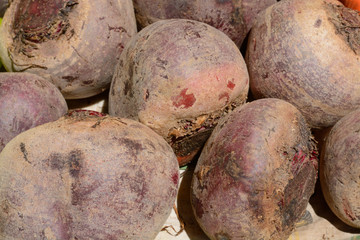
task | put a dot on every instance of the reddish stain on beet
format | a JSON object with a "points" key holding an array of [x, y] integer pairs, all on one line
{"points": [[231, 85], [224, 95], [300, 158], [183, 99], [175, 178], [347, 210]]}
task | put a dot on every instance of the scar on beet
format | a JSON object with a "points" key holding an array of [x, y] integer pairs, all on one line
{"points": [[24, 151]]}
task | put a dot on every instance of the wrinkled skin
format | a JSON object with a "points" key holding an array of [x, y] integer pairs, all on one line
{"points": [[74, 44], [234, 17], [307, 52], [86, 176], [255, 174], [178, 77], [340, 167], [26, 101]]}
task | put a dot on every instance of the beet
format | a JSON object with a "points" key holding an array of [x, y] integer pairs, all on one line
{"points": [[86, 176], [256, 173], [26, 101], [340, 167], [307, 53], [179, 77], [234, 18], [74, 44]]}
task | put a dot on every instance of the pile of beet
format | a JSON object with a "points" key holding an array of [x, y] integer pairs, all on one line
{"points": [[235, 92]]}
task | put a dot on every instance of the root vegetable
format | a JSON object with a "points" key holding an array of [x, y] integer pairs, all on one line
{"points": [[307, 53], [234, 18], [256, 173], [74, 44], [340, 168], [178, 77], [26, 101], [86, 177]]}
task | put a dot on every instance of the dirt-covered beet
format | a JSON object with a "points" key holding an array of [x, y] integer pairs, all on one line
{"points": [[234, 18], [26, 101], [86, 177], [256, 173], [74, 44], [307, 52], [340, 169], [179, 77]]}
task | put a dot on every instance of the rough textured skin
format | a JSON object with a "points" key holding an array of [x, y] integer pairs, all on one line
{"points": [[307, 52], [75, 44], [86, 177], [233, 17], [26, 101], [178, 77], [255, 174], [340, 168]]}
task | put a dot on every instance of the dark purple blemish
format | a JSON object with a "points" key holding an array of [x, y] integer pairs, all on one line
{"points": [[175, 178], [70, 78], [223, 1], [317, 23], [74, 160], [88, 82], [183, 99], [198, 206]]}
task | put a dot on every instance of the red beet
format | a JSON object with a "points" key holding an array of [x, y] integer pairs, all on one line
{"points": [[340, 168], [74, 44], [234, 18], [307, 52], [179, 77], [26, 101], [86, 177], [256, 173]]}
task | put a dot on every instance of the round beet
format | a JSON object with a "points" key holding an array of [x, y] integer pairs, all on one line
{"points": [[256, 173], [340, 168], [26, 101], [86, 176], [178, 77], [307, 52], [74, 44], [234, 18]]}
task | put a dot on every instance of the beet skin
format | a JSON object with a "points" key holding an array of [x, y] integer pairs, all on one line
{"points": [[86, 176], [179, 77], [256, 173], [340, 168], [26, 101]]}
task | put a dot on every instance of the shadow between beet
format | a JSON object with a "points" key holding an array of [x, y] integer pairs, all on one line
{"points": [[192, 228]]}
